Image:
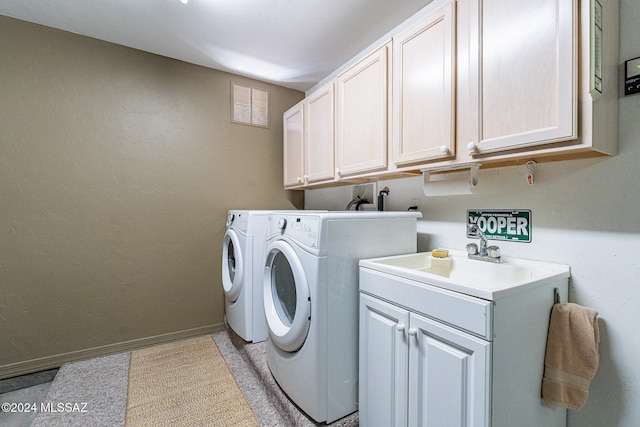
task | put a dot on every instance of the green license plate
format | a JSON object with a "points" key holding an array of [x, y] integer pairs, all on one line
{"points": [[512, 225]]}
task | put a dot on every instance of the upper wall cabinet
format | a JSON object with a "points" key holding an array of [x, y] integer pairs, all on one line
{"points": [[308, 141], [424, 89], [522, 73], [362, 119], [293, 145], [525, 79], [319, 135], [496, 82]]}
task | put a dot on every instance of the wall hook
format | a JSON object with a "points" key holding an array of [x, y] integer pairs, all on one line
{"points": [[530, 165]]}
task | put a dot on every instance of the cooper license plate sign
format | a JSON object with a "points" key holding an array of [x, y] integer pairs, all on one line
{"points": [[509, 225]]}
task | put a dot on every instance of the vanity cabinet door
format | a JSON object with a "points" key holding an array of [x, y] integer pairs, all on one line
{"points": [[522, 73], [449, 373], [424, 89], [383, 363]]}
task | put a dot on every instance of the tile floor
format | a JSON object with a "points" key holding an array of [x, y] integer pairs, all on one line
{"points": [[24, 391]]}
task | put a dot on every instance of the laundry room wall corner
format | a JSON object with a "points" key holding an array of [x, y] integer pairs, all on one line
{"points": [[118, 169]]}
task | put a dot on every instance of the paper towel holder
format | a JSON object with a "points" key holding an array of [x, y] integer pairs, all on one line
{"points": [[473, 171]]}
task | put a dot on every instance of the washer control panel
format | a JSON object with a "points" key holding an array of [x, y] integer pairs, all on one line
{"points": [[303, 229], [238, 221]]}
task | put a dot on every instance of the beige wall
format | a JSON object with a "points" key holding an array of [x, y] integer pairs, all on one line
{"points": [[117, 169]]}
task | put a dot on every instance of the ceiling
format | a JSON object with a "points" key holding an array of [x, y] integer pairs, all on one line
{"points": [[292, 43]]}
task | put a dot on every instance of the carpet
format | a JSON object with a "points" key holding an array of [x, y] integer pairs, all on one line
{"points": [[184, 383], [273, 408], [87, 393]]}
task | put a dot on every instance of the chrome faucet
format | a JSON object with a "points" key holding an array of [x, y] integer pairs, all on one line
{"points": [[484, 253]]}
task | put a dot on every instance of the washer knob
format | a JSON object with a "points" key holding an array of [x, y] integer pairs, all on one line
{"points": [[282, 223]]}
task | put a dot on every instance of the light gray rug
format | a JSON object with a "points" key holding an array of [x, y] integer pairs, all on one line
{"points": [[88, 393]]}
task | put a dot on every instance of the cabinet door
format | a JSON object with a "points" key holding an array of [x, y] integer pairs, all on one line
{"points": [[523, 73], [319, 118], [383, 363], [361, 141], [293, 146], [448, 376], [423, 89]]}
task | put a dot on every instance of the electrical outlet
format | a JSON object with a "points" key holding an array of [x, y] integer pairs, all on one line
{"points": [[416, 202]]}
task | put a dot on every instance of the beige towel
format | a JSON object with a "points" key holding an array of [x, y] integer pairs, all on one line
{"points": [[571, 358]]}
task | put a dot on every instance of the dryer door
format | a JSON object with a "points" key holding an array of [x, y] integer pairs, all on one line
{"points": [[286, 297], [232, 267]]}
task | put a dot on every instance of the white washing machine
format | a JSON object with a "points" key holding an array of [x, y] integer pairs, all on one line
{"points": [[243, 255], [242, 304], [311, 300]]}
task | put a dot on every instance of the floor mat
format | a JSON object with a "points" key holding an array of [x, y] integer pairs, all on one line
{"points": [[184, 383], [87, 393]]}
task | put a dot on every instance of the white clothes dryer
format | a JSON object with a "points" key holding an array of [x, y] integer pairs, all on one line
{"points": [[243, 255], [311, 300]]}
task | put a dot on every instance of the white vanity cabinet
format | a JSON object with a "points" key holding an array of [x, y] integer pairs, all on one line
{"points": [[434, 357], [418, 372]]}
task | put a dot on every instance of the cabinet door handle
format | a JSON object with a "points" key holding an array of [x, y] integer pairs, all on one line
{"points": [[413, 332], [400, 327], [338, 171], [472, 146]]}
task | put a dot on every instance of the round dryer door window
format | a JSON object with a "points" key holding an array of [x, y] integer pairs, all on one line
{"points": [[232, 267], [286, 297]]}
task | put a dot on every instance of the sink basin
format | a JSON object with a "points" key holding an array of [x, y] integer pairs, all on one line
{"points": [[474, 277]]}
